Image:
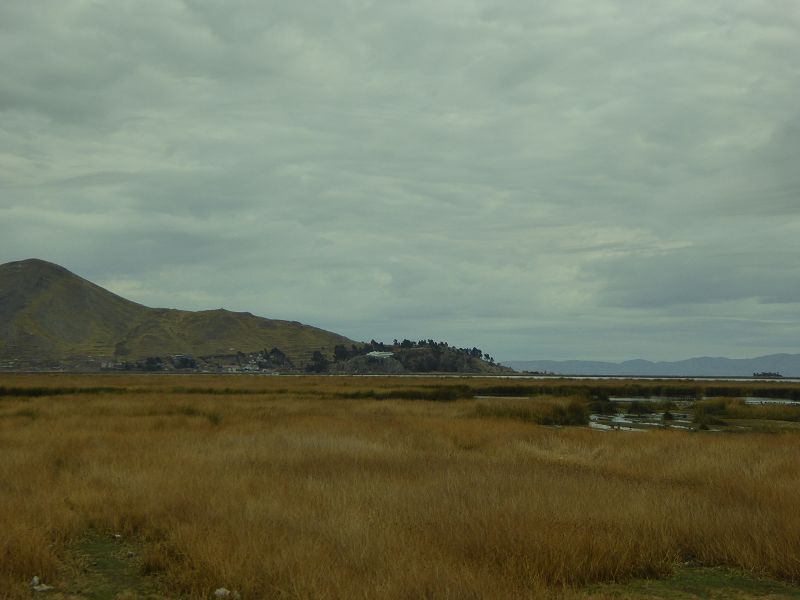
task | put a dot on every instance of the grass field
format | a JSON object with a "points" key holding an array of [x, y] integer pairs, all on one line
{"points": [[323, 487]]}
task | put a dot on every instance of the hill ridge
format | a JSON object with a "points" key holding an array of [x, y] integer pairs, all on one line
{"points": [[48, 313]]}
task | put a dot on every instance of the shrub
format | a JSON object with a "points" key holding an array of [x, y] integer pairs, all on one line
{"points": [[30, 413], [638, 408], [703, 420], [541, 412], [603, 407], [439, 393], [577, 413], [717, 406]]}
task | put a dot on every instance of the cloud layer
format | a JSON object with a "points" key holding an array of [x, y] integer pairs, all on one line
{"points": [[596, 179]]}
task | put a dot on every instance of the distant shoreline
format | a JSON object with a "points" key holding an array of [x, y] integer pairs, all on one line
{"points": [[414, 375]]}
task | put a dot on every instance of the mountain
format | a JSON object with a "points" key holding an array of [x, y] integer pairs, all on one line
{"points": [[48, 314], [787, 365]]}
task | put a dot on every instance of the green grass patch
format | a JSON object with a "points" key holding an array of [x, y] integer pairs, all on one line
{"points": [[690, 583], [28, 413], [102, 567]]}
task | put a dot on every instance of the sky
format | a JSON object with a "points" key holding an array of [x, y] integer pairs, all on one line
{"points": [[581, 179]]}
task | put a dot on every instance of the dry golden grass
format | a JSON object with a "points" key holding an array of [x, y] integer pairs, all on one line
{"points": [[546, 410], [297, 492]]}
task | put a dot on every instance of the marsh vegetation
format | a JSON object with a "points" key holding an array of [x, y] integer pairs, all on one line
{"points": [[320, 487]]}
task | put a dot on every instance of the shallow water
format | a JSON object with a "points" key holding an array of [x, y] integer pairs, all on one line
{"points": [[650, 399], [756, 400], [644, 422]]}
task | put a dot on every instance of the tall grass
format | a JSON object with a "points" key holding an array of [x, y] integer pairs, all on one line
{"points": [[543, 410], [301, 493], [736, 408]]}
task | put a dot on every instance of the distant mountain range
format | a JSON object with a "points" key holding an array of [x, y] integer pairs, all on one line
{"points": [[48, 314], [787, 365]]}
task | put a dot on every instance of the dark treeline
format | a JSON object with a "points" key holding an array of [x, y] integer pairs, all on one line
{"points": [[421, 356], [342, 352], [606, 389], [442, 393], [594, 391], [35, 392]]}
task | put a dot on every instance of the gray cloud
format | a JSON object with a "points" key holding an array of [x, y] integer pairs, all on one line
{"points": [[577, 179]]}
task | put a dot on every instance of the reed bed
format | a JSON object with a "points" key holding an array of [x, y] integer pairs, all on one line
{"points": [[545, 410], [736, 408], [291, 490]]}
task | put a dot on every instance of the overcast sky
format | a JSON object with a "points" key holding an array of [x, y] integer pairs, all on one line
{"points": [[595, 179]]}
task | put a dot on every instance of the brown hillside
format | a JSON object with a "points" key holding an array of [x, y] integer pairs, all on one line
{"points": [[49, 313]]}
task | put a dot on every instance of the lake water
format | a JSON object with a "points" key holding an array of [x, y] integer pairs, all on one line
{"points": [[754, 400], [645, 422], [682, 414]]}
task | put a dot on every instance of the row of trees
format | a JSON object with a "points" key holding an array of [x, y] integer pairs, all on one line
{"points": [[414, 356], [342, 352], [274, 359]]}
